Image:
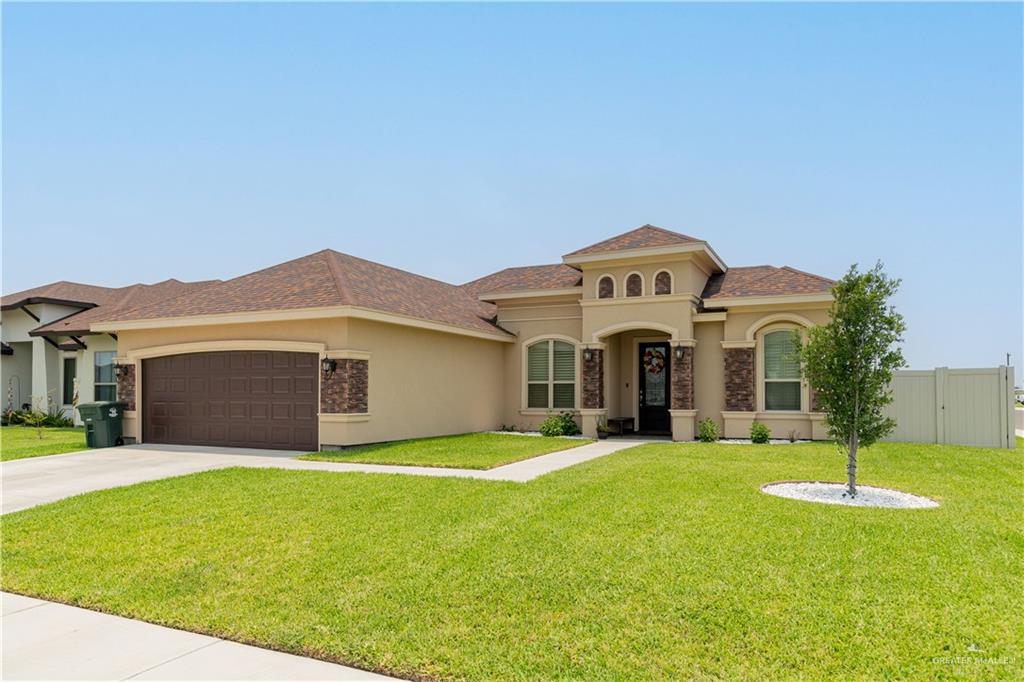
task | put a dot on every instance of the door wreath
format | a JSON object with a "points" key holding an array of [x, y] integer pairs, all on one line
{"points": [[654, 361]]}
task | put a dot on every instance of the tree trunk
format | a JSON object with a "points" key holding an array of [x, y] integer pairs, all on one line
{"points": [[851, 467]]}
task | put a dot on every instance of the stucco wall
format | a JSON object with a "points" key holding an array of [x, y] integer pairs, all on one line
{"points": [[709, 372], [16, 375], [687, 276]]}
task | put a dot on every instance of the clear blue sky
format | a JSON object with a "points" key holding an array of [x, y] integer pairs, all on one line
{"points": [[197, 141]]}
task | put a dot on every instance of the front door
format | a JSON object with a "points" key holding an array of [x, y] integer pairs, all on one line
{"points": [[655, 370]]}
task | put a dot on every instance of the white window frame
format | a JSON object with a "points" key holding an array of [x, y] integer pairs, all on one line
{"points": [[96, 384], [550, 339], [625, 284], [762, 380], [671, 282], [597, 286]]}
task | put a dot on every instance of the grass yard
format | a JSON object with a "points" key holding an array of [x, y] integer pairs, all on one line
{"points": [[658, 562], [466, 451], [18, 442]]}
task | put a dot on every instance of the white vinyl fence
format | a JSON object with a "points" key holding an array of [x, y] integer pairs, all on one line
{"points": [[956, 406]]}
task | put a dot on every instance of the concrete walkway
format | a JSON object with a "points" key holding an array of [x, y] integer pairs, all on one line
{"points": [[47, 641], [38, 480]]}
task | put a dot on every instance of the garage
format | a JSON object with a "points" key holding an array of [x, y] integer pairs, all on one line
{"points": [[254, 399]]}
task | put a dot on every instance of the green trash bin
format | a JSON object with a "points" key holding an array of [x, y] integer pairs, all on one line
{"points": [[102, 423]]}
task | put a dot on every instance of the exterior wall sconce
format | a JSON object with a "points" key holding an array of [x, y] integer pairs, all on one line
{"points": [[120, 369], [679, 352], [588, 354], [328, 365]]}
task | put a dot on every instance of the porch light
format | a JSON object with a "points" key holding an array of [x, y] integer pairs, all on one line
{"points": [[679, 352], [118, 369], [328, 365], [588, 354]]}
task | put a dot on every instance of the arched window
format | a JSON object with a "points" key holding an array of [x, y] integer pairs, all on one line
{"points": [[663, 283], [551, 375], [634, 285], [781, 371], [606, 287]]}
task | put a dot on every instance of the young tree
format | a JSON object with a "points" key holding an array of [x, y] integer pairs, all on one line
{"points": [[849, 361]]}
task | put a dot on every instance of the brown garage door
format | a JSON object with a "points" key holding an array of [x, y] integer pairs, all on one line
{"points": [[255, 399]]}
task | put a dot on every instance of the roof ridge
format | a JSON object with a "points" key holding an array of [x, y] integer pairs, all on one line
{"points": [[809, 274], [341, 282]]}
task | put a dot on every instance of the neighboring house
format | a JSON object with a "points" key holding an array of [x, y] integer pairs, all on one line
{"points": [[332, 350], [49, 351]]}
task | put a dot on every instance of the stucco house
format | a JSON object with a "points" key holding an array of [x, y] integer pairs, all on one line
{"points": [[48, 351], [332, 350]]}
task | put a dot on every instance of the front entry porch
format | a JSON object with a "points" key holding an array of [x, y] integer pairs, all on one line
{"points": [[641, 378]]}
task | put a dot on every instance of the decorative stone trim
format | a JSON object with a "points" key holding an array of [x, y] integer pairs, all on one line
{"points": [[593, 380], [812, 398], [682, 380], [739, 379], [126, 386], [346, 390]]}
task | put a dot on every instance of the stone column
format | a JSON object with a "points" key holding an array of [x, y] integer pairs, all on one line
{"points": [[126, 385], [592, 407], [346, 390], [739, 379], [682, 409]]}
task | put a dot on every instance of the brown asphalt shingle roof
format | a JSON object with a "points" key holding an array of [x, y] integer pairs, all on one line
{"points": [[72, 292], [527, 278], [645, 236], [764, 280], [326, 279], [121, 299]]}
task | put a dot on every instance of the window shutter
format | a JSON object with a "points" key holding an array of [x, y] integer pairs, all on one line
{"points": [[565, 362], [780, 359], [537, 362]]}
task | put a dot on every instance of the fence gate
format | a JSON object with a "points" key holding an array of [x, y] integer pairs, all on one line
{"points": [[957, 406]]}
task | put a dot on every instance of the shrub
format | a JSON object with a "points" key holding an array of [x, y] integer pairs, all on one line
{"points": [[559, 425], [759, 433], [707, 430]]}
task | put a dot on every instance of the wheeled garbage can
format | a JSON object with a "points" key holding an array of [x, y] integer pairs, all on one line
{"points": [[103, 427]]}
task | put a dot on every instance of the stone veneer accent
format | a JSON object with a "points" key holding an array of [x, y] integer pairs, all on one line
{"points": [[634, 285], [813, 397], [682, 380], [346, 390], [593, 381], [663, 285], [739, 379], [606, 288], [126, 386]]}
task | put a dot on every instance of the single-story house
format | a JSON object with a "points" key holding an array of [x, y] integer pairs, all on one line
{"points": [[50, 358], [331, 350]]}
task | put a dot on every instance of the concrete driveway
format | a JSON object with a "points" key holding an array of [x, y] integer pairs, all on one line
{"points": [[38, 480]]}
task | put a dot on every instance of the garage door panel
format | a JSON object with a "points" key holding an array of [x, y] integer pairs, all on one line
{"points": [[224, 398]]}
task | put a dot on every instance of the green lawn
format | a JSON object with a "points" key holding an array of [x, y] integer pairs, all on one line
{"points": [[658, 562], [18, 442], [467, 451]]}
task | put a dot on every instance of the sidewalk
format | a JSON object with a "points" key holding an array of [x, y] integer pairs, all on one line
{"points": [[47, 641]]}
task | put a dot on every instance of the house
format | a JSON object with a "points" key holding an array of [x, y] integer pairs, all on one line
{"points": [[48, 350], [331, 350]]}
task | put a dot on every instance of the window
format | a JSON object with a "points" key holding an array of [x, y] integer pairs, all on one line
{"points": [[663, 283], [781, 371], [70, 367], [634, 285], [551, 375], [106, 384], [606, 287]]}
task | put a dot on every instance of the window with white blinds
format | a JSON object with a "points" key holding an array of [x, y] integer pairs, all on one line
{"points": [[551, 375], [781, 371]]}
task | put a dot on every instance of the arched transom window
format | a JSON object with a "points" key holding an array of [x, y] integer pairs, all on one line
{"points": [[663, 283], [606, 287], [781, 371], [551, 375], [634, 285]]}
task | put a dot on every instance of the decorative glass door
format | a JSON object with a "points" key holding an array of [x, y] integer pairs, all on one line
{"points": [[654, 387]]}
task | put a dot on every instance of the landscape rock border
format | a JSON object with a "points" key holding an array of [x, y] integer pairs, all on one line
{"points": [[830, 492]]}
